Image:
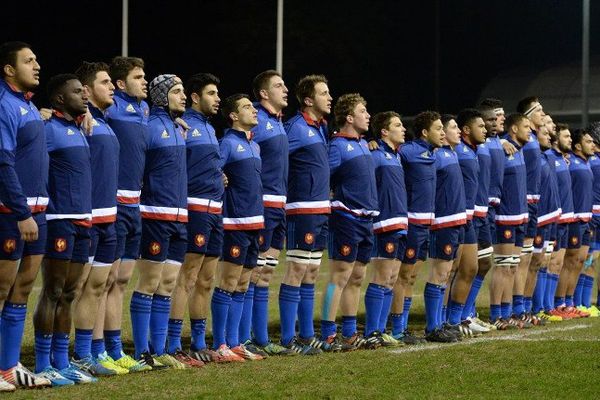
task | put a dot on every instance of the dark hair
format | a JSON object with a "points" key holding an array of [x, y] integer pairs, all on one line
{"points": [[86, 73], [197, 82], [447, 118], [513, 119], [345, 106], [56, 84], [466, 116], [561, 127], [261, 81], [424, 120], [230, 104], [526, 103], [577, 136], [490, 103], [382, 121], [306, 87], [594, 130], [121, 66], [8, 53]]}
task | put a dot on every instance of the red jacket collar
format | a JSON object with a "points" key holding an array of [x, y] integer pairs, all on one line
{"points": [[78, 120], [26, 95], [312, 122]]}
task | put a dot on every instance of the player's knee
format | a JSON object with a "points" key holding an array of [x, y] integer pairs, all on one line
{"points": [[357, 277]]}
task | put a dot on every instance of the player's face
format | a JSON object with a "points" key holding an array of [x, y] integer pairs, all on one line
{"points": [[523, 131], [360, 118], [75, 98], [247, 114], [322, 99], [26, 71], [564, 141], [435, 134], [543, 137], [477, 128], [550, 125], [537, 116], [176, 99], [396, 131], [209, 99], [102, 90], [452, 133], [277, 93], [500, 118], [587, 145], [136, 84], [489, 118]]}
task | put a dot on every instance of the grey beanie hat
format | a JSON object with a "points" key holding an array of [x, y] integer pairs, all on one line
{"points": [[159, 88]]}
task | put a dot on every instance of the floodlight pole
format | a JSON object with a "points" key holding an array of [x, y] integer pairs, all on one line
{"points": [[125, 29], [585, 65], [279, 46]]}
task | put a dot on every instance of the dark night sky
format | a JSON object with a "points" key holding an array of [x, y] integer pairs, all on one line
{"points": [[383, 49]]}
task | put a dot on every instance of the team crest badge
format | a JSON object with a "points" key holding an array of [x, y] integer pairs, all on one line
{"points": [[261, 240], [60, 245], [507, 234], [234, 251], [448, 249], [309, 238], [154, 248], [410, 253], [9, 245], [200, 240], [390, 247], [345, 250], [574, 240], [538, 239]]}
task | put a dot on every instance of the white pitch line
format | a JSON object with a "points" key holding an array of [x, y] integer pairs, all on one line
{"points": [[483, 339]]}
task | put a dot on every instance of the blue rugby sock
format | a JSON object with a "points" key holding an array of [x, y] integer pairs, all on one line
{"points": [[442, 315], [549, 291], [528, 304], [260, 315], [198, 328], [140, 309], [159, 322], [348, 325], [559, 301], [432, 297], [174, 335], [518, 307], [397, 327], [328, 328], [373, 304], [219, 307], [495, 312], [469, 309], [586, 293], [246, 319], [406, 312], [60, 350], [569, 301], [578, 291], [386, 306], [540, 291], [112, 341], [455, 312], [232, 330], [505, 310], [289, 297], [98, 347], [305, 311], [83, 343], [42, 346], [11, 334]]}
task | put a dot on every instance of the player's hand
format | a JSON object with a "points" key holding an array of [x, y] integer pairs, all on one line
{"points": [[508, 147], [88, 123], [225, 180], [46, 113], [373, 145], [28, 229]]}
